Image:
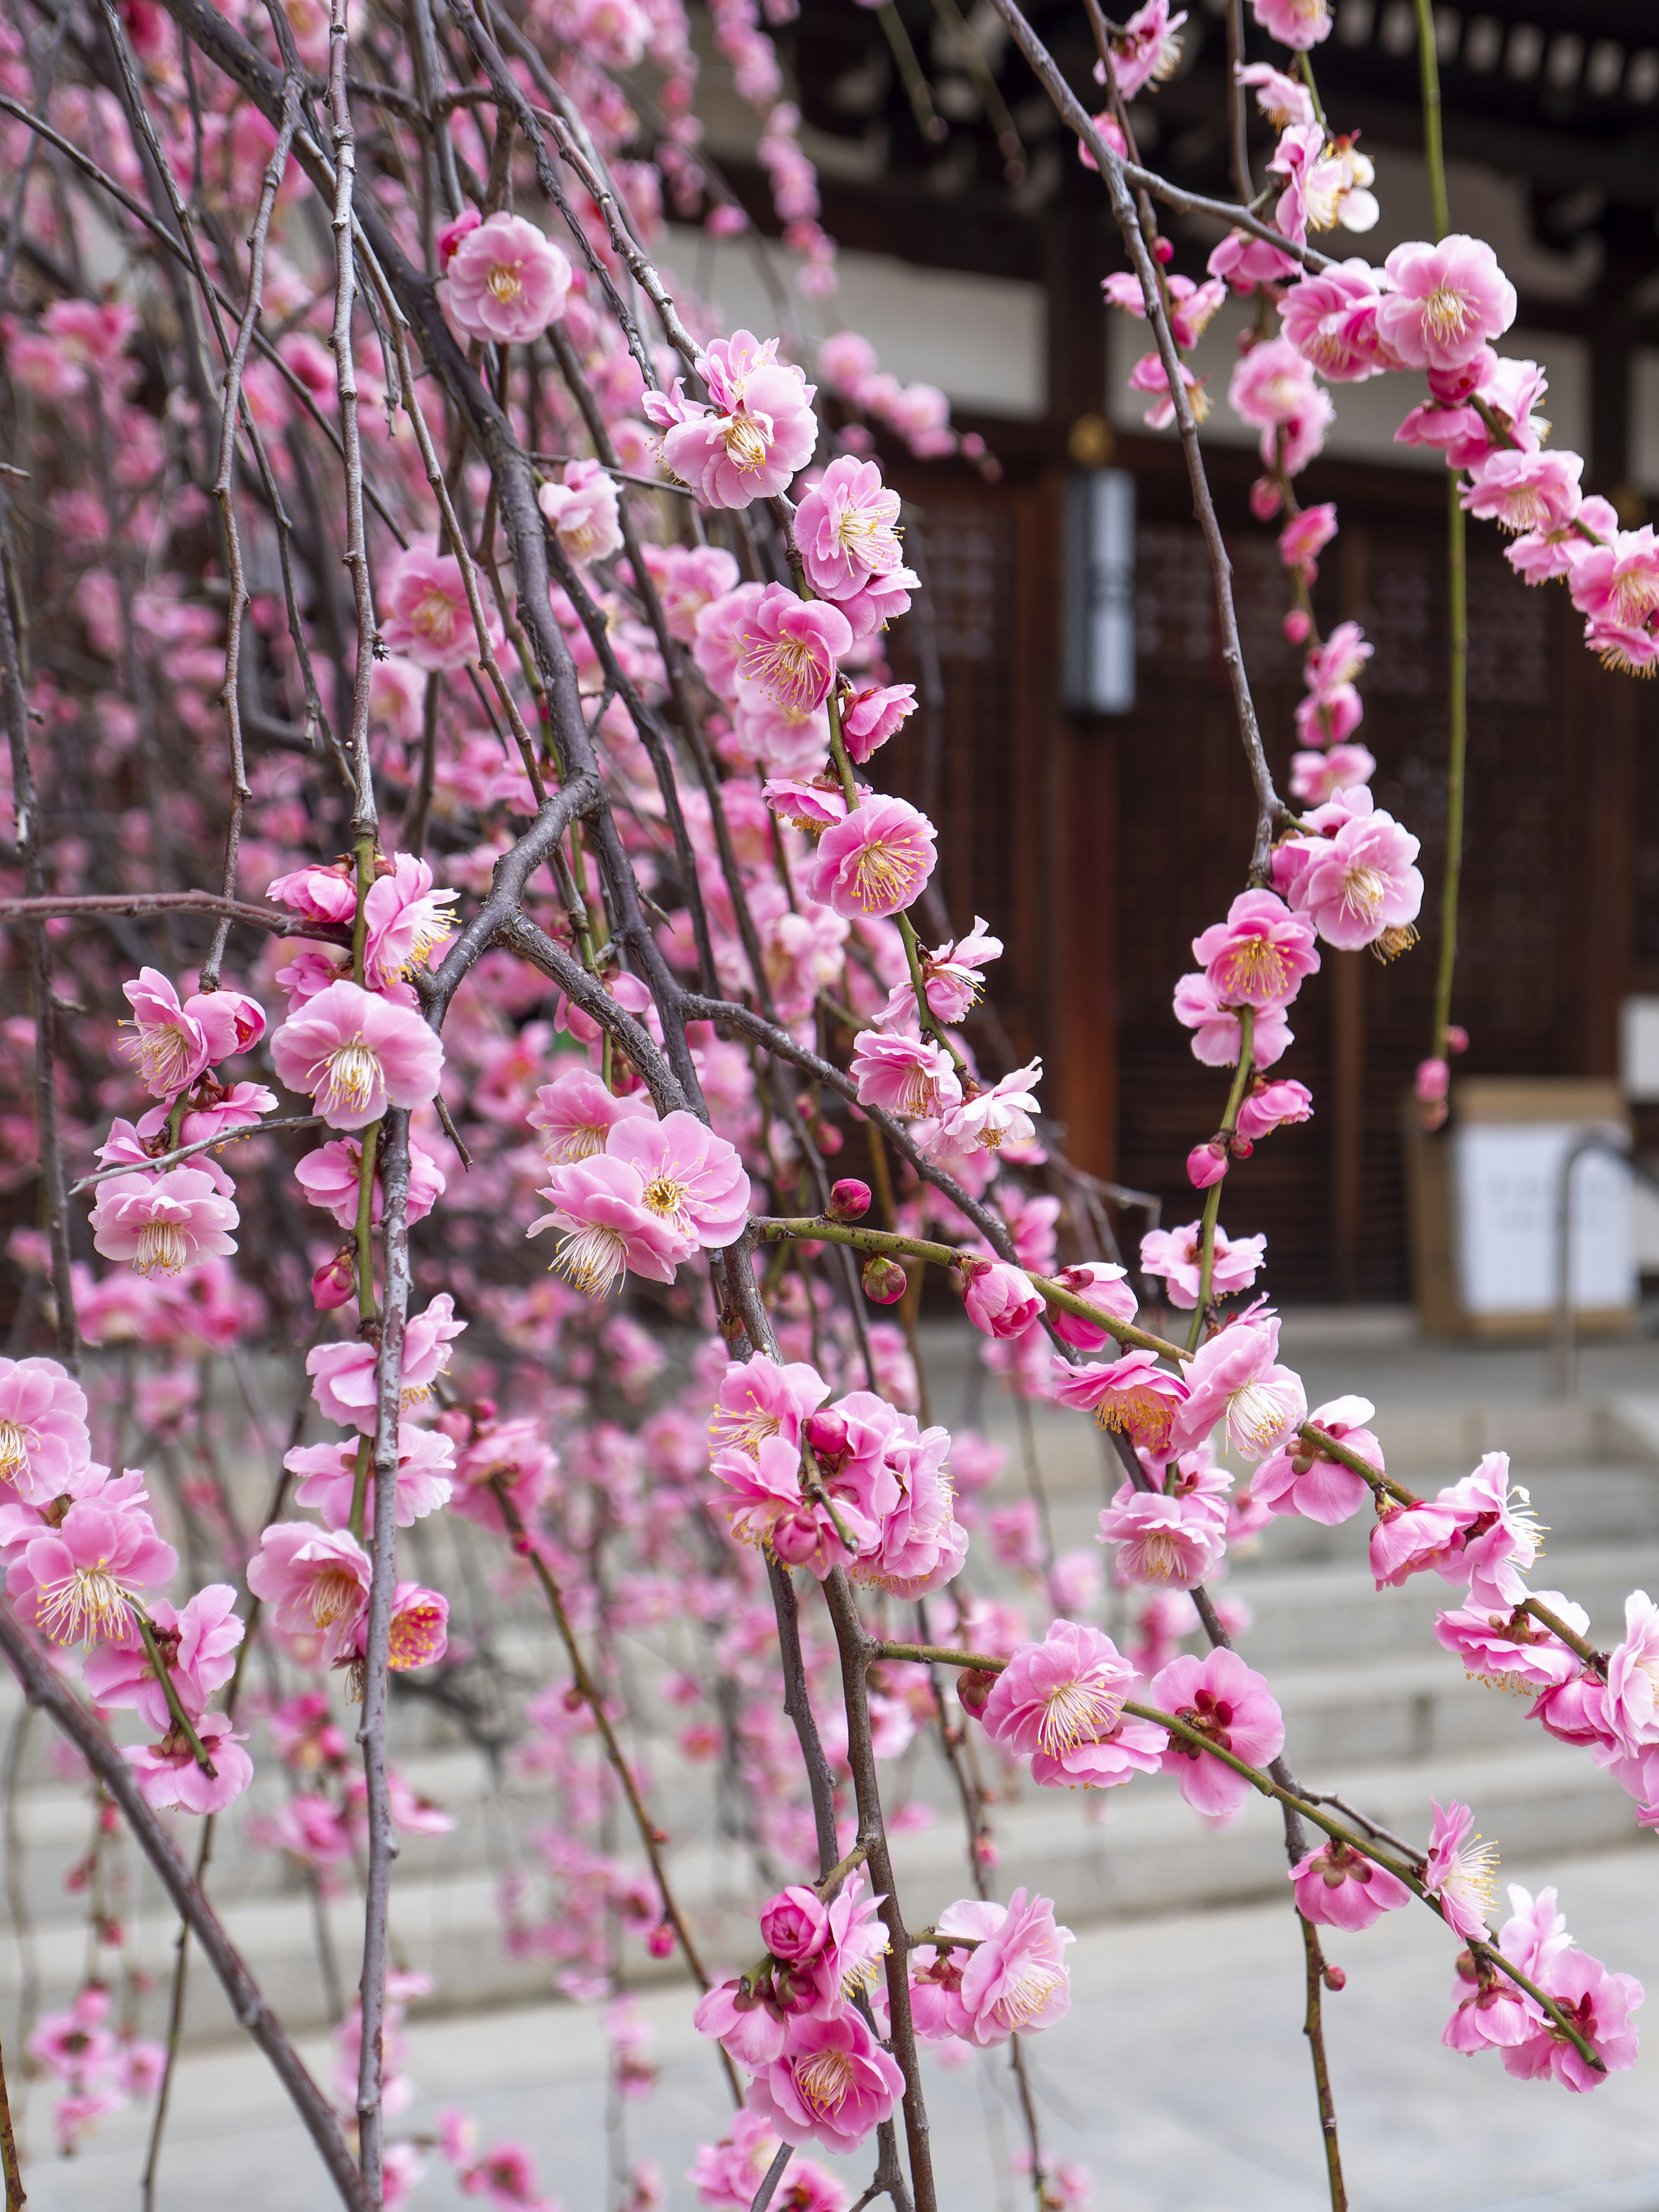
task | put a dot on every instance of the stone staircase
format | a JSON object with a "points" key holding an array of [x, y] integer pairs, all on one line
{"points": [[1375, 1712]]}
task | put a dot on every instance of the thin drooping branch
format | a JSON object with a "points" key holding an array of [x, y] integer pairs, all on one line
{"points": [[224, 490], [364, 821], [26, 808], [43, 1688], [91, 905], [1269, 806]]}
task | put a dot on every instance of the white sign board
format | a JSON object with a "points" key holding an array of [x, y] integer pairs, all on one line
{"points": [[1506, 1191]]}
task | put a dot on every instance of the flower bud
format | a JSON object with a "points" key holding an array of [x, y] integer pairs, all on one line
{"points": [[795, 1538], [849, 1200], [826, 1435], [335, 1282], [1207, 1163], [1457, 1039], [827, 1138], [1433, 1081], [884, 1279], [1163, 250], [1240, 1147], [1297, 627], [974, 1687], [660, 1942], [1335, 1979]]}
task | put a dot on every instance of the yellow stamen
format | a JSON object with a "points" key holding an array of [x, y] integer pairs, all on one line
{"points": [[16, 1442], [1073, 1713], [88, 1606], [162, 1249], [505, 281], [352, 1080], [592, 1258], [824, 2081]]}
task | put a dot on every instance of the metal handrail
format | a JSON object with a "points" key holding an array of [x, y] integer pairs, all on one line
{"points": [[1620, 1146]]}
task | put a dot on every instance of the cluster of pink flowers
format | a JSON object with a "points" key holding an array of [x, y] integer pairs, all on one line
{"points": [[824, 1482]]}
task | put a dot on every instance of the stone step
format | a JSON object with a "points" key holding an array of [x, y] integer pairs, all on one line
{"points": [[1121, 1854]]}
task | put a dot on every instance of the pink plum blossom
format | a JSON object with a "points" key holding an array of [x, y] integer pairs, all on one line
{"points": [[908, 1076], [354, 1055], [1460, 1872], [171, 1043], [1060, 1704], [170, 1777], [576, 1113], [846, 528], [760, 1398], [1339, 1887], [331, 1178], [1298, 1478], [198, 1645], [1103, 1286], [77, 1583], [791, 646], [583, 512], [425, 616], [1510, 1649], [418, 1636], [1446, 301], [162, 1223], [689, 578], [407, 921], [876, 862], [1269, 1106], [1259, 955], [1146, 50], [1526, 491], [1299, 24], [1230, 1706], [999, 1299], [719, 632], [1633, 1702], [832, 2084], [1015, 1980], [1317, 777], [1235, 1377], [327, 1476], [1162, 1539], [1304, 537], [1361, 886], [1599, 2005], [599, 1204], [315, 1580], [1407, 1539], [342, 1374], [1001, 1112], [869, 717], [691, 1179], [1501, 1537], [1281, 98], [759, 431], [44, 1438], [1331, 320], [1177, 1256], [506, 282], [1134, 1394]]}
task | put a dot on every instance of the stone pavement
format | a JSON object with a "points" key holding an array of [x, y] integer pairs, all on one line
{"points": [[1181, 2076]]}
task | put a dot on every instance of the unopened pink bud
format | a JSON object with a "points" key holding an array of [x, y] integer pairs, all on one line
{"points": [[826, 1433], [1298, 626], [1240, 1147], [1207, 1163], [796, 1538], [1457, 1039], [660, 1942], [884, 1281], [849, 1200], [1335, 1979], [1163, 250], [974, 1687], [335, 1281], [1433, 1080], [1266, 499]]}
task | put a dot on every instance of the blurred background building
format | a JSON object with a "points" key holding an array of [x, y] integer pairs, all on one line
{"points": [[972, 252]]}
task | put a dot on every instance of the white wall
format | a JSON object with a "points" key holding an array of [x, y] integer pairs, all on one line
{"points": [[983, 340]]}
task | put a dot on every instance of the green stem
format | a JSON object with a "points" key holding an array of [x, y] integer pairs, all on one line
{"points": [[369, 1142], [1304, 64], [1457, 704], [182, 1720], [917, 89], [358, 1519], [1457, 715], [838, 751], [364, 850], [1213, 1196], [1434, 150]]}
